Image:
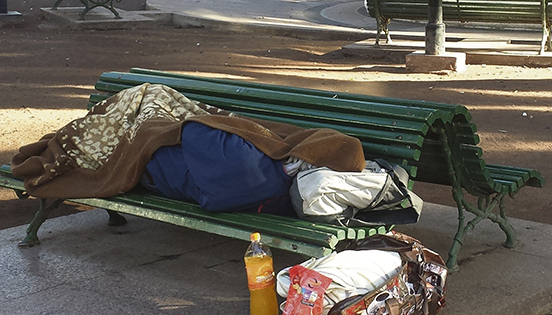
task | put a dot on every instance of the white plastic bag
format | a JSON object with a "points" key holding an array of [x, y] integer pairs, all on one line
{"points": [[353, 272], [327, 192], [378, 195]]}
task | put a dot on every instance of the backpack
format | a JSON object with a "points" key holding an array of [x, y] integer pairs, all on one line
{"points": [[378, 195]]}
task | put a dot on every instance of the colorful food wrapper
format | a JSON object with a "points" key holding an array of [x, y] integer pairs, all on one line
{"points": [[306, 291]]}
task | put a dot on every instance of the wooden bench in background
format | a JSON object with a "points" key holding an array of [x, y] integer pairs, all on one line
{"points": [[434, 142], [486, 11]]}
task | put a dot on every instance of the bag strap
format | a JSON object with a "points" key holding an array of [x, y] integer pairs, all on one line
{"points": [[383, 191], [400, 177], [397, 173]]}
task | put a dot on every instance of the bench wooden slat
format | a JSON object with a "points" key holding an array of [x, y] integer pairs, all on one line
{"points": [[281, 223], [210, 226], [483, 180], [377, 136], [472, 139], [290, 228], [457, 112], [192, 210], [276, 108], [485, 176], [316, 115], [186, 86], [369, 139], [516, 181], [501, 172], [530, 177], [506, 186], [476, 179], [11, 183]]}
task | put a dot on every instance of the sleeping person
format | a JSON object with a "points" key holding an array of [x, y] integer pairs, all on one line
{"points": [[220, 171]]}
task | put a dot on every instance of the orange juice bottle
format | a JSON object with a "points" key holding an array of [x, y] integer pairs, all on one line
{"points": [[260, 278]]}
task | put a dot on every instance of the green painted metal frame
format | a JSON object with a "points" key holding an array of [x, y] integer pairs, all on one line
{"points": [[91, 4], [486, 203]]}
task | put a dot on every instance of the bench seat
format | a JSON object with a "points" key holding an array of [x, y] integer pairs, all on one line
{"points": [[295, 235]]}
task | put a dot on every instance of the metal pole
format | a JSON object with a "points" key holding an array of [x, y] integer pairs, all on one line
{"points": [[3, 6], [435, 29]]}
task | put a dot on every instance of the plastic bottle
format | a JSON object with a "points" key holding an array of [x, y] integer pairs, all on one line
{"points": [[260, 278]]}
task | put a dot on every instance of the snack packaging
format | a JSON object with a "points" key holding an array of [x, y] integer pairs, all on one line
{"points": [[306, 291]]}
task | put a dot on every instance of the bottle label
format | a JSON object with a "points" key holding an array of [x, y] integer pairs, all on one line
{"points": [[260, 278]]}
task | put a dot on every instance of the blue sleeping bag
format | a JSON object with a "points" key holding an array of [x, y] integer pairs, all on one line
{"points": [[221, 172]]}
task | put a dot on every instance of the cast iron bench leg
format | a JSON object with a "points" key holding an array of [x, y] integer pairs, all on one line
{"points": [[484, 210], [91, 4], [56, 4], [41, 215], [381, 25], [115, 219], [511, 239]]}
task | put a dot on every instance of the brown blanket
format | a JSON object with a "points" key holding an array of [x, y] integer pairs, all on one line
{"points": [[105, 153]]}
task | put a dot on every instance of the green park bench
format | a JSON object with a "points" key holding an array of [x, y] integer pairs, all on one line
{"points": [[91, 4], [433, 142], [484, 11]]}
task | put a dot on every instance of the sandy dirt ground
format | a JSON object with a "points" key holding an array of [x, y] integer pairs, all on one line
{"points": [[47, 73]]}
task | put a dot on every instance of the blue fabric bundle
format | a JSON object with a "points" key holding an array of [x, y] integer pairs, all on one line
{"points": [[221, 172]]}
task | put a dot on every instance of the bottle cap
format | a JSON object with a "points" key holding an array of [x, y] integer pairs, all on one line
{"points": [[255, 237]]}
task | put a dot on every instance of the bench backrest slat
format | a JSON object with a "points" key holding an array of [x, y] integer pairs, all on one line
{"points": [[459, 113], [283, 98]]}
